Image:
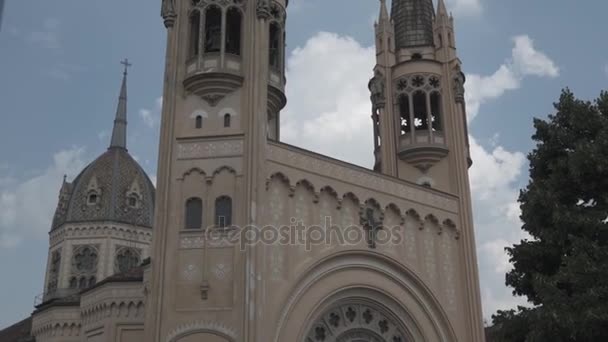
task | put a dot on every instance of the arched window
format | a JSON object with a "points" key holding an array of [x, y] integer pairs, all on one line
{"points": [[82, 284], [274, 53], [404, 112], [199, 122], [223, 211], [436, 111], [92, 281], [213, 29], [195, 26], [194, 213], [233, 31], [420, 112], [73, 283], [227, 120], [126, 259]]}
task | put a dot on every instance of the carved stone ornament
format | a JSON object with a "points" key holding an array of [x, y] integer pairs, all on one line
{"points": [[459, 80], [376, 87], [263, 9], [212, 99], [168, 13]]}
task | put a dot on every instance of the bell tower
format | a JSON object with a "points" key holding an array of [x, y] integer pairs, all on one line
{"points": [[419, 117], [418, 95], [223, 91]]}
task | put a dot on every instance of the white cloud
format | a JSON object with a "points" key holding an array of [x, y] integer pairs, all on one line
{"points": [[465, 7], [529, 61], [27, 206], [151, 117], [525, 61], [329, 112]]}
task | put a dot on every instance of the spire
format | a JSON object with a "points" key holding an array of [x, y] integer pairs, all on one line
{"points": [[441, 9], [413, 22], [383, 17], [119, 132]]}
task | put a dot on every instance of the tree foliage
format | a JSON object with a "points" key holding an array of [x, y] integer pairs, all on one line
{"points": [[563, 267]]}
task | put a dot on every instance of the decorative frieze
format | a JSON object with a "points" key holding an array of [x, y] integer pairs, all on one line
{"points": [[359, 177], [211, 149]]}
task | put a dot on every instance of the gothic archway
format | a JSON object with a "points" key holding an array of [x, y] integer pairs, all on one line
{"points": [[356, 321]]}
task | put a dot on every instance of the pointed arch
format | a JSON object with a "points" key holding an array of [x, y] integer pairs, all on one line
{"points": [[195, 29]]}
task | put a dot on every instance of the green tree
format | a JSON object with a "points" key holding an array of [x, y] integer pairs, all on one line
{"points": [[563, 267]]}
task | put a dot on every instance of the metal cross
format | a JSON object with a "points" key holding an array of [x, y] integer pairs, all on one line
{"points": [[126, 64]]}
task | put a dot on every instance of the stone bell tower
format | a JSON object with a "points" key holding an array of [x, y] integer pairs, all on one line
{"points": [[223, 91], [420, 131], [419, 116]]}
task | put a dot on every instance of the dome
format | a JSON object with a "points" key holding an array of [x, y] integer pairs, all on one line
{"points": [[112, 188]]}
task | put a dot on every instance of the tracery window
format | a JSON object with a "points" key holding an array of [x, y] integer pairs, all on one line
{"points": [[419, 103], [194, 213], [223, 212], [85, 260], [126, 259], [233, 31], [213, 29], [84, 267], [357, 322]]}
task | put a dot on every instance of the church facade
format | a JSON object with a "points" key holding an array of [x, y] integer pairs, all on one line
{"points": [[247, 238]]}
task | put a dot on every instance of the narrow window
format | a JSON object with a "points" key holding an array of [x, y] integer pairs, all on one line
{"points": [[82, 284], [213, 29], [404, 111], [194, 213], [274, 46], [195, 24], [199, 121], [73, 283], [436, 111], [92, 281], [223, 211], [226, 120], [233, 33], [420, 112], [93, 198]]}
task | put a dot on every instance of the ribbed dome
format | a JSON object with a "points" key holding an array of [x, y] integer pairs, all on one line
{"points": [[112, 188]]}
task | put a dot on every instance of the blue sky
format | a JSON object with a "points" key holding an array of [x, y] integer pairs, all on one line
{"points": [[60, 77]]}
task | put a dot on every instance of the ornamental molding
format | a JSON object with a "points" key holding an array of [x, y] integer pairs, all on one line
{"points": [[359, 178], [141, 235], [212, 149], [111, 309], [203, 327]]}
